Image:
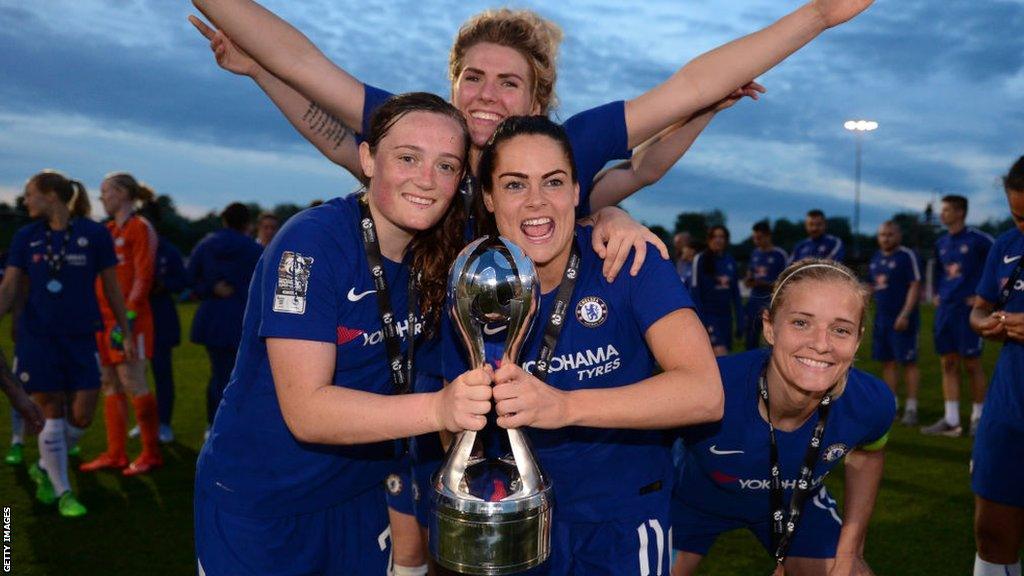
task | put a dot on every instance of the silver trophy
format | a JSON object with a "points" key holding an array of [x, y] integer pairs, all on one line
{"points": [[491, 515]]}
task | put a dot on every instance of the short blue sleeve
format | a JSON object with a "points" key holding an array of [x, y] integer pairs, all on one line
{"points": [[988, 287], [373, 97], [454, 360], [299, 284], [598, 136], [18, 256], [656, 291], [103, 244]]}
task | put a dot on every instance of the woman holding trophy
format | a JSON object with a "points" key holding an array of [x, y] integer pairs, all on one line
{"points": [[601, 402], [290, 478]]}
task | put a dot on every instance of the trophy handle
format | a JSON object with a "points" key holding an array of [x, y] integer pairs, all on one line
{"points": [[529, 475], [455, 467]]}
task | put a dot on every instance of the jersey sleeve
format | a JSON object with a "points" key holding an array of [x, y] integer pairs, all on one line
{"points": [[838, 252], [373, 97], [18, 253], [988, 286], [103, 248], [598, 136], [299, 283], [656, 292], [881, 406], [144, 242]]}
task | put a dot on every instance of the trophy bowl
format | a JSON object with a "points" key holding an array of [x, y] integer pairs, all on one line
{"points": [[491, 515]]}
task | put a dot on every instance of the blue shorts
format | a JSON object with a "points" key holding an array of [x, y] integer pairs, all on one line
{"points": [[351, 538], [889, 345], [953, 334], [997, 470], [611, 548], [816, 537], [400, 487], [56, 363], [429, 458], [719, 330]]}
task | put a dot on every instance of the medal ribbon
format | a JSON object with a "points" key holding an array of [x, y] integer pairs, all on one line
{"points": [[55, 262], [559, 314]]}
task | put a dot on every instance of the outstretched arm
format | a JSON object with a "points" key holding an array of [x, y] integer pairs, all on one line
{"points": [[863, 476], [655, 157], [287, 54], [713, 75], [322, 129]]}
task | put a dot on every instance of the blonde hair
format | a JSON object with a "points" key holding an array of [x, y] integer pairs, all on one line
{"points": [[819, 270], [525, 31], [136, 190]]}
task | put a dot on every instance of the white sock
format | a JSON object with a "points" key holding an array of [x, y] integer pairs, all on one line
{"points": [[410, 570], [912, 404], [976, 410], [73, 434], [983, 568], [53, 454], [953, 412], [897, 398], [17, 427]]}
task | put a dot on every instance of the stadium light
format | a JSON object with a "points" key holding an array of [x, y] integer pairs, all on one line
{"points": [[858, 127]]}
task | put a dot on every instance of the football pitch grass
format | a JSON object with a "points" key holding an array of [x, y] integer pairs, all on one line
{"points": [[922, 523]]}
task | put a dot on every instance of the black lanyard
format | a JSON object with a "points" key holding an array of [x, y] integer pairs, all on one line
{"points": [[782, 529], [401, 368], [55, 262], [559, 314], [1007, 291]]}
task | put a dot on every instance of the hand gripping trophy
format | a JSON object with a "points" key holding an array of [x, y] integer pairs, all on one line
{"points": [[492, 282]]}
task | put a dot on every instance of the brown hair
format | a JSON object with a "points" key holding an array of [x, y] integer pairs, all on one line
{"points": [[433, 249], [71, 192], [135, 189], [525, 31], [1014, 179]]}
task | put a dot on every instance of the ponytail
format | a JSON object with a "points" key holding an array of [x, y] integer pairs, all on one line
{"points": [[137, 191], [78, 204]]}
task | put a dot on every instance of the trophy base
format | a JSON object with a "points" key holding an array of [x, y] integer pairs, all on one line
{"points": [[491, 538]]}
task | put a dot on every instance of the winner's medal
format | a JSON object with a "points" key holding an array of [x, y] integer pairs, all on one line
{"points": [[55, 262], [54, 286]]}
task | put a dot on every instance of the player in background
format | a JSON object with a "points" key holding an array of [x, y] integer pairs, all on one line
{"points": [[683, 244], [896, 284], [792, 413], [266, 227], [61, 257], [961, 254], [123, 375], [819, 243], [219, 271], [997, 473], [716, 291], [767, 261]]}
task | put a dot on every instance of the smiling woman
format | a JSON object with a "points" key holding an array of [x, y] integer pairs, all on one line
{"points": [[814, 409]]}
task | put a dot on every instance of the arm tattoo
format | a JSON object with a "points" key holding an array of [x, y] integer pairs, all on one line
{"points": [[323, 123]]}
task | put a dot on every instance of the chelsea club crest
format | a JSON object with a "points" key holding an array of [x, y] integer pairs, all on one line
{"points": [[591, 311], [834, 452], [393, 483]]}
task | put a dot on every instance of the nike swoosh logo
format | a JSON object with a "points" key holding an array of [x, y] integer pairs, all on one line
{"points": [[353, 297], [715, 450], [492, 331], [1010, 260], [34, 244]]}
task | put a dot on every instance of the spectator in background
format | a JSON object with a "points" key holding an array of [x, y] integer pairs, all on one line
{"points": [[266, 226], [684, 256], [896, 283], [961, 252], [168, 280], [818, 243], [219, 271], [767, 261], [716, 290], [121, 372]]}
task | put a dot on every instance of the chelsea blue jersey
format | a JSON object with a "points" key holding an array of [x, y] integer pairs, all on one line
{"points": [[717, 290], [962, 258], [312, 283], [73, 310], [891, 276], [765, 266], [825, 246], [1005, 398], [599, 474], [725, 466]]}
